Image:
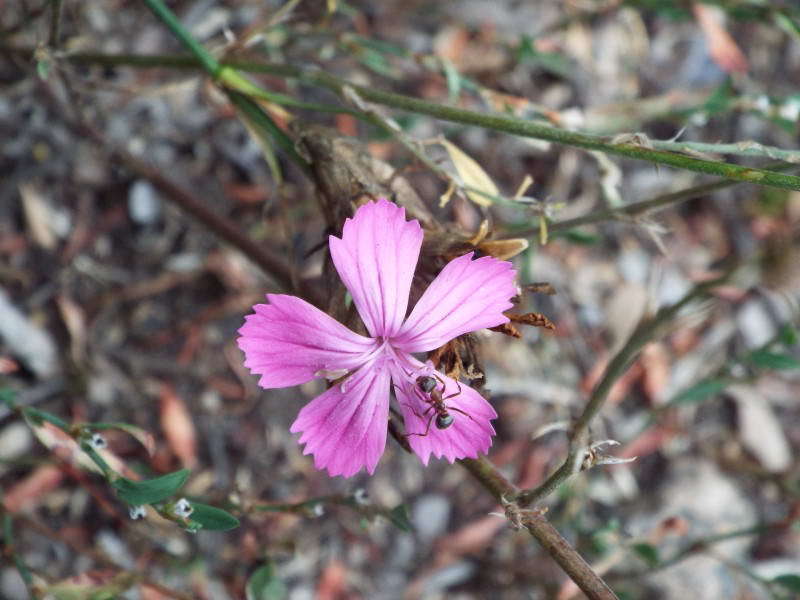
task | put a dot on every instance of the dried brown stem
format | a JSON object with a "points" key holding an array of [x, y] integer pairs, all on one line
{"points": [[273, 265], [542, 530]]}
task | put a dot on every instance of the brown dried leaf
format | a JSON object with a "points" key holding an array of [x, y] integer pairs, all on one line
{"points": [[38, 215], [721, 45], [533, 319], [332, 582], [30, 490], [507, 329], [178, 426], [542, 287], [75, 321], [503, 249]]}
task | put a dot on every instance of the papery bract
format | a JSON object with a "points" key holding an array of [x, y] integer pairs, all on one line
{"points": [[289, 341]]}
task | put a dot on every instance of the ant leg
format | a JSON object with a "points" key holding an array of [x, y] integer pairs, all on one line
{"points": [[427, 429], [462, 412], [411, 408], [454, 394]]}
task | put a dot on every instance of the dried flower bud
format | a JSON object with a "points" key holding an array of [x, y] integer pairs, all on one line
{"points": [[137, 512], [183, 508], [97, 441]]}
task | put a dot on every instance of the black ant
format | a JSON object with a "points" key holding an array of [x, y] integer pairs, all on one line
{"points": [[427, 385]]}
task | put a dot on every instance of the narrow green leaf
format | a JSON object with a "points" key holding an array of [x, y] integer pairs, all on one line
{"points": [[398, 517], [699, 392], [43, 69], [790, 582], [212, 518], [453, 80], [789, 336], [647, 552], [788, 25], [764, 359], [153, 490], [265, 585]]}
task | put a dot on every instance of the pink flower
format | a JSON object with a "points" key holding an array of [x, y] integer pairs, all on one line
{"points": [[289, 342]]}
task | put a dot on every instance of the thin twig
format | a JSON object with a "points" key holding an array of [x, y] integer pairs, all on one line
{"points": [[579, 434], [699, 544], [645, 207], [272, 264], [542, 530], [502, 123]]}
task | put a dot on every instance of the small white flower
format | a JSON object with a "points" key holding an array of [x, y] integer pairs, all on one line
{"points": [[97, 441], [762, 103], [317, 510], [699, 118], [137, 512], [183, 508], [361, 497], [790, 110]]}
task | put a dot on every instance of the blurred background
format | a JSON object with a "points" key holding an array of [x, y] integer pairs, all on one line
{"points": [[118, 304]]}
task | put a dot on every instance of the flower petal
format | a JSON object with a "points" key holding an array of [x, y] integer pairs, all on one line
{"points": [[376, 258], [465, 296], [289, 342], [469, 435], [345, 427]]}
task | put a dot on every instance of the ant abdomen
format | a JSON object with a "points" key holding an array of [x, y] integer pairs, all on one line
{"points": [[444, 420]]}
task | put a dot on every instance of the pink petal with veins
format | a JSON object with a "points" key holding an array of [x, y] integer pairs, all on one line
{"points": [[376, 258], [289, 341], [345, 428], [470, 433], [466, 295]]}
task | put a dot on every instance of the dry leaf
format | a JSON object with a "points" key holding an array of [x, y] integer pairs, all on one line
{"points": [[38, 216], [472, 175], [721, 45], [75, 321], [531, 318], [32, 488], [504, 249], [178, 427]]}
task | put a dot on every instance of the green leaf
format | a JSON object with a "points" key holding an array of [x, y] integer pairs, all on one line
{"points": [[151, 491], [43, 69], [764, 359], [647, 552], [212, 518], [790, 582], [453, 80], [265, 585], [788, 336], [398, 517], [788, 25], [699, 392]]}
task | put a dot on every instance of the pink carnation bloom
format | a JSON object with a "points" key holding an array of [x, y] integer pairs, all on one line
{"points": [[289, 342]]}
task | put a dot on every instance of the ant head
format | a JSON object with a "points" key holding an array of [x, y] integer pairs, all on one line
{"points": [[444, 420], [426, 383]]}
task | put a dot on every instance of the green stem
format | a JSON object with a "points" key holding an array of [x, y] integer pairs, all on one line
{"points": [[736, 149], [501, 123], [19, 563]]}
